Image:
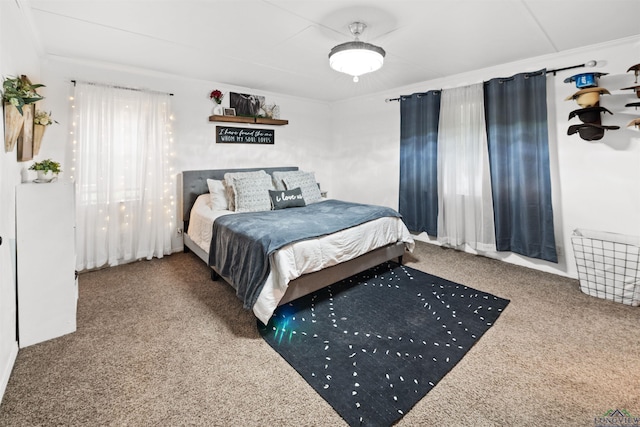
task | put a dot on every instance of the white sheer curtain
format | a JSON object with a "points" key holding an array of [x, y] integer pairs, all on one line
{"points": [[120, 162], [465, 204]]}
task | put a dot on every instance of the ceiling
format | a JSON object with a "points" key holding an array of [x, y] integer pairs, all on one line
{"points": [[282, 46]]}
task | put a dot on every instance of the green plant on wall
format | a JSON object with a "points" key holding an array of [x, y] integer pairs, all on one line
{"points": [[19, 91], [46, 165]]}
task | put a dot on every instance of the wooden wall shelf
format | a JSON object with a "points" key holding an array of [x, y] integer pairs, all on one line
{"points": [[275, 122], [240, 119]]}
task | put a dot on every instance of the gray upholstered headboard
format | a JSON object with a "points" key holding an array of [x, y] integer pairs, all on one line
{"points": [[194, 183]]}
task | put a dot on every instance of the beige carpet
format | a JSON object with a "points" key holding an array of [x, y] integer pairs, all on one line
{"points": [[158, 343]]}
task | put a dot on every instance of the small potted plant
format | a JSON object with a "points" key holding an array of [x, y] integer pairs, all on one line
{"points": [[216, 96], [47, 170]]}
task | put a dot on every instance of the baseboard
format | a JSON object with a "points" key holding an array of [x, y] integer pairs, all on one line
{"points": [[6, 371]]}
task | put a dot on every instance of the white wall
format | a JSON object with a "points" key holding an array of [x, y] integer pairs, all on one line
{"points": [[596, 185], [304, 142], [18, 55], [353, 146]]}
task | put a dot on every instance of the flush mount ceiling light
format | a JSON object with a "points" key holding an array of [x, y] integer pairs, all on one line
{"points": [[356, 58]]}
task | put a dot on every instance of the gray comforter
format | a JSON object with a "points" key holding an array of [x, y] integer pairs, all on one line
{"points": [[241, 243]]}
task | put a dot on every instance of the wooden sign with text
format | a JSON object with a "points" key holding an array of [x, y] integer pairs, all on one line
{"points": [[233, 135]]}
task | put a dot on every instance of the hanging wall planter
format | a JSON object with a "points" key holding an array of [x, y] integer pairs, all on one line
{"points": [[41, 120], [18, 93], [25, 140], [38, 133], [13, 124]]}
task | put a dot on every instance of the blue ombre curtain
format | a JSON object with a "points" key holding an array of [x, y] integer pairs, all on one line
{"points": [[419, 115], [516, 116]]}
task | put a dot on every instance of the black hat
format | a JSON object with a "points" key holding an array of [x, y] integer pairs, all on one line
{"points": [[589, 115], [590, 131]]}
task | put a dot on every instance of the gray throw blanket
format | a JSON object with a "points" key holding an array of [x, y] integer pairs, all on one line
{"points": [[241, 243]]}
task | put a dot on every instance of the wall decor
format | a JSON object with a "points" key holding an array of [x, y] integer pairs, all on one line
{"points": [[635, 123], [251, 120], [585, 79], [17, 94], [25, 140], [636, 71], [13, 124], [233, 135], [246, 104], [41, 120], [229, 111], [217, 96], [271, 111], [588, 98], [635, 88]]}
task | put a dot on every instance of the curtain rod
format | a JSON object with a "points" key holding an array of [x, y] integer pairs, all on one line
{"points": [[591, 63], [122, 87]]}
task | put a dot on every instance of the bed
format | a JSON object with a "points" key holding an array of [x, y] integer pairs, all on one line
{"points": [[295, 269]]}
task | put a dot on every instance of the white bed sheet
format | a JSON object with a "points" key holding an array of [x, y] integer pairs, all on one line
{"points": [[307, 256]]}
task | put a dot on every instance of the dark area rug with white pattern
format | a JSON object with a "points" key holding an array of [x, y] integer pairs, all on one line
{"points": [[374, 344]]}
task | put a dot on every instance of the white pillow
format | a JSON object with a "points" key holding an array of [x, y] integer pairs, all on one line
{"points": [[252, 193], [228, 183], [278, 177], [307, 183], [218, 195]]}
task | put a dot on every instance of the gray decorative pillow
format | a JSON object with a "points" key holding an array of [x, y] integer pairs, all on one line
{"points": [[307, 183], [282, 199], [228, 184], [278, 177], [252, 193]]}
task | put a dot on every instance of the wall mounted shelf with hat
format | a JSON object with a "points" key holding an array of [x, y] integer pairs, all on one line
{"points": [[591, 128], [636, 70], [635, 123], [588, 97], [590, 131], [585, 79], [589, 115], [635, 88]]}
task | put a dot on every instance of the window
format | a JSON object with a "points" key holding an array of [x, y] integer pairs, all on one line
{"points": [[120, 161]]}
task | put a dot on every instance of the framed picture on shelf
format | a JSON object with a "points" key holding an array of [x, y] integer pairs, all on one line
{"points": [[246, 104], [229, 111]]}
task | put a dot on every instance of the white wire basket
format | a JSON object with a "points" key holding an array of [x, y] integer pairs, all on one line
{"points": [[608, 265]]}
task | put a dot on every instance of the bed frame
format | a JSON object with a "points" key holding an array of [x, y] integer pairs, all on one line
{"points": [[194, 183]]}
